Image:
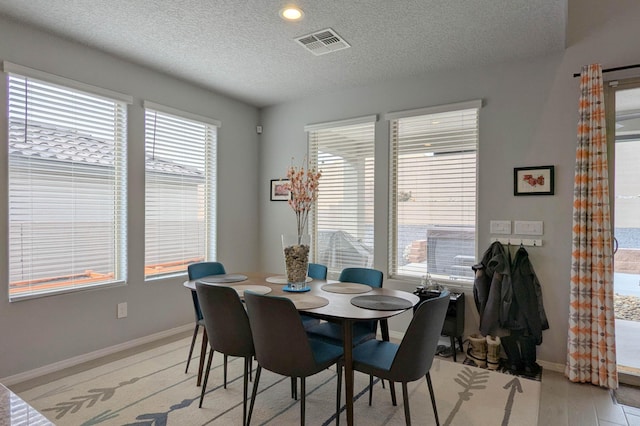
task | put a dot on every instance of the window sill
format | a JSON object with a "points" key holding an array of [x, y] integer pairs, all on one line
{"points": [[57, 292]]}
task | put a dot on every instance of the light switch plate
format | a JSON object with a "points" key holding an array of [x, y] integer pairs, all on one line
{"points": [[527, 227], [500, 227]]}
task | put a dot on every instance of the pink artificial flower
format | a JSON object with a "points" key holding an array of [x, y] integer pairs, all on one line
{"points": [[303, 185]]}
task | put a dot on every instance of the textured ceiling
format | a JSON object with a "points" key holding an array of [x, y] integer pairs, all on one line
{"points": [[243, 49]]}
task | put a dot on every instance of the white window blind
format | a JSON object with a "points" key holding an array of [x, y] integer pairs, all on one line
{"points": [[180, 192], [342, 221], [433, 192], [67, 187]]}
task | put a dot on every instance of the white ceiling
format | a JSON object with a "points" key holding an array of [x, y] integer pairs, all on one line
{"points": [[242, 48]]}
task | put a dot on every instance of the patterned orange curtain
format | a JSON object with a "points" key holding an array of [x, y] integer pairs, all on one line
{"points": [[591, 350]]}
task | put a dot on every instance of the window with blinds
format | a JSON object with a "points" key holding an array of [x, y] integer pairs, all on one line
{"points": [[67, 180], [180, 190], [342, 221], [433, 192]]}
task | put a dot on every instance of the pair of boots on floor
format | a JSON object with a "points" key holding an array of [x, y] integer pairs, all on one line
{"points": [[520, 351], [484, 351]]}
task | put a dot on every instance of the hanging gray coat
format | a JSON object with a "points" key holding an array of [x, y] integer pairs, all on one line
{"points": [[492, 290], [527, 310]]}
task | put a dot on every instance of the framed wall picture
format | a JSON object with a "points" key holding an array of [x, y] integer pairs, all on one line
{"points": [[533, 180], [279, 190]]}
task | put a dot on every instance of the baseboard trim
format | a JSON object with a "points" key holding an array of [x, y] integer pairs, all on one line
{"points": [[398, 335], [77, 360], [553, 366]]}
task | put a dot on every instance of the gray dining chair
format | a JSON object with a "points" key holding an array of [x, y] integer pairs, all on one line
{"points": [[228, 331], [195, 271], [316, 271], [412, 358], [283, 347]]}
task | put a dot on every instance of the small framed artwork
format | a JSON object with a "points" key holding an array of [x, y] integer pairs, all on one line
{"points": [[279, 190], [533, 180]]}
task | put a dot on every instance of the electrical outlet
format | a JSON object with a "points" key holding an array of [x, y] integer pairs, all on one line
{"points": [[122, 310]]}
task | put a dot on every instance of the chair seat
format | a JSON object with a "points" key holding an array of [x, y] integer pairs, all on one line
{"points": [[332, 333], [324, 353], [308, 322], [375, 355]]}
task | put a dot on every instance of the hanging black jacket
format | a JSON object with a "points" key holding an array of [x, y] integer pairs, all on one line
{"points": [[492, 290], [527, 310]]}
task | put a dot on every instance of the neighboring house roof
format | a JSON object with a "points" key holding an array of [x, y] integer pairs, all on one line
{"points": [[168, 167], [56, 143]]}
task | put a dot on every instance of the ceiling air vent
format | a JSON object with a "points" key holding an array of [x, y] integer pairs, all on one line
{"points": [[322, 42]]}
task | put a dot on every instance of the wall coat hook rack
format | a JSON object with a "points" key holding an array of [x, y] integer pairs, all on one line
{"points": [[529, 242]]}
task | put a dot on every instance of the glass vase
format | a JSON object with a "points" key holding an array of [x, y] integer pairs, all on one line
{"points": [[296, 259]]}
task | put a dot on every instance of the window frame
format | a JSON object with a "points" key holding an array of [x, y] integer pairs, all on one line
{"points": [[87, 98], [393, 231], [369, 179], [209, 196]]}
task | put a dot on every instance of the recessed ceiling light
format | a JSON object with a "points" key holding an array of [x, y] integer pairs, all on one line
{"points": [[291, 13]]}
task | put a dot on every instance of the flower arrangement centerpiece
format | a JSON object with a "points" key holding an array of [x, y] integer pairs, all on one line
{"points": [[303, 187]]}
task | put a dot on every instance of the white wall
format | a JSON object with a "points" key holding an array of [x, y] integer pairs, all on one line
{"points": [[529, 118], [38, 332]]}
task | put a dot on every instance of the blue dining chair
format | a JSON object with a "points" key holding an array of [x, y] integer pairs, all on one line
{"points": [[412, 358], [195, 271], [362, 330], [317, 272]]}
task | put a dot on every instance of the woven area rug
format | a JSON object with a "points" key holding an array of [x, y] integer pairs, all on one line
{"points": [[151, 388]]}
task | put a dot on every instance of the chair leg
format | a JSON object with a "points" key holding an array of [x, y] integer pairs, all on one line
{"points": [[303, 392], [453, 348], [384, 330], [247, 366], [193, 343], [339, 393], [433, 398], [225, 371], [392, 390], [255, 392], [405, 400], [294, 388], [206, 377], [203, 352], [370, 389]]}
